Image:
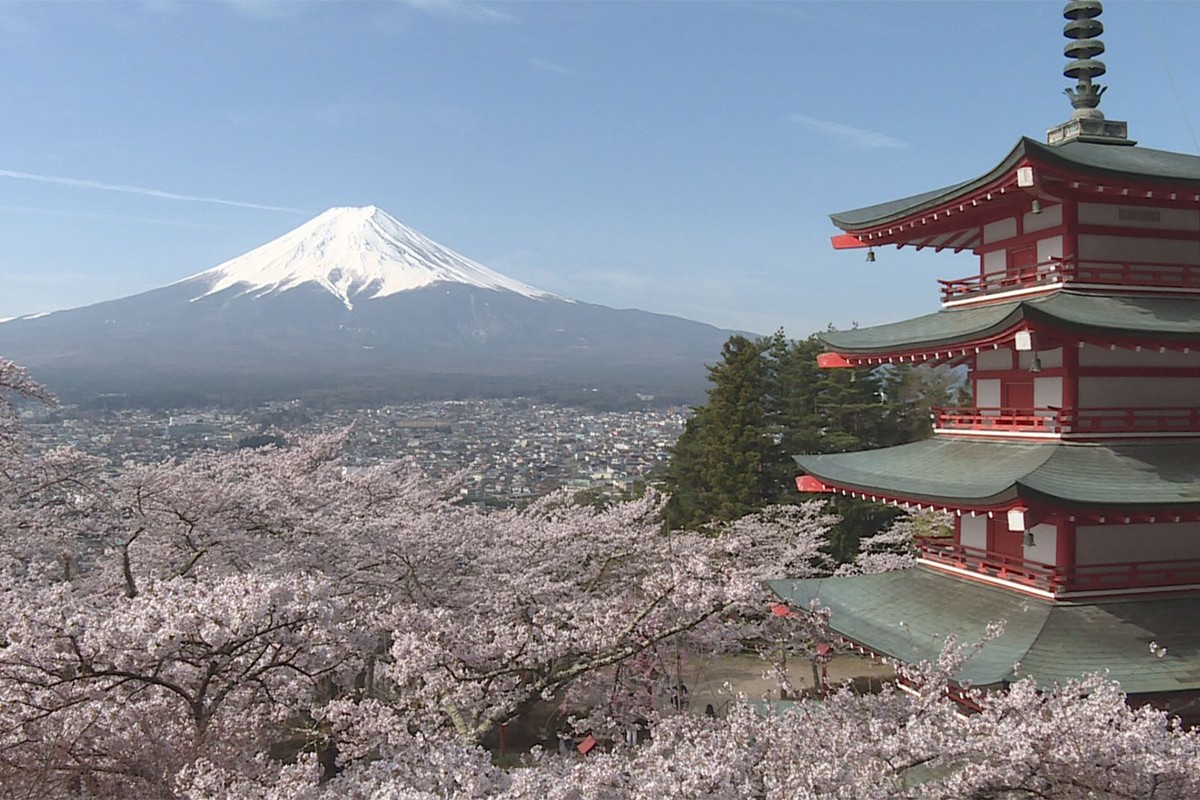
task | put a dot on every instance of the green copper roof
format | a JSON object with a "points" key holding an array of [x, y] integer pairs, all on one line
{"points": [[908, 614], [1135, 163], [974, 472], [1170, 318]]}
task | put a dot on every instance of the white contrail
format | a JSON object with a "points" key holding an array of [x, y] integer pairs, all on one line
{"points": [[142, 190]]}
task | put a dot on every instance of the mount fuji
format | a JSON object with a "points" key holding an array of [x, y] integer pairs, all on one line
{"points": [[356, 307]]}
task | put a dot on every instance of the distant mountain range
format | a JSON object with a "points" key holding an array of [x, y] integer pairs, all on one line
{"points": [[355, 307]]}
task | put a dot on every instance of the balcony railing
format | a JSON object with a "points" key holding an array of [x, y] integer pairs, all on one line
{"points": [[1072, 270], [1078, 421], [1047, 577]]}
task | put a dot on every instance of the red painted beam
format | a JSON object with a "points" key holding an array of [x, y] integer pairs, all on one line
{"points": [[807, 483], [847, 241], [832, 361]]}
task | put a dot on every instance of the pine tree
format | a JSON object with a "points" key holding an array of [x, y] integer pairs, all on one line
{"points": [[770, 401], [720, 467]]}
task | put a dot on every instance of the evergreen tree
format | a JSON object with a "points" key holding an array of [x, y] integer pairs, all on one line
{"points": [[770, 401], [720, 467]]}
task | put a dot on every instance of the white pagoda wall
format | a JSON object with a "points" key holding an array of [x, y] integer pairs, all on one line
{"points": [[1045, 543], [1047, 389], [1005, 231], [1120, 544], [1112, 215], [972, 532], [1137, 391], [1139, 247]]}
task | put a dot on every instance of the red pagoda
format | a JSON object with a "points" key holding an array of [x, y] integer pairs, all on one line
{"points": [[1074, 476]]}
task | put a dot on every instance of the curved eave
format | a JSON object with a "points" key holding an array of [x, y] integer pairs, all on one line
{"points": [[908, 614], [1166, 319], [1128, 166], [948, 472], [861, 219]]}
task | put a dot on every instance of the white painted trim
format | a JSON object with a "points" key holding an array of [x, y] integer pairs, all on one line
{"points": [[1045, 288], [997, 434], [984, 578]]}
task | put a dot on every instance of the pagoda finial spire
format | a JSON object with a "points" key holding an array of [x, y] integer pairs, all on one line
{"points": [[1083, 29], [1086, 124]]}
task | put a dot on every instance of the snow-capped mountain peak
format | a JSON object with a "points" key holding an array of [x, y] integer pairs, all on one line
{"points": [[354, 254]]}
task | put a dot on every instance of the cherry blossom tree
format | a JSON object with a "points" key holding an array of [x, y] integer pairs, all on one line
{"points": [[273, 624]]}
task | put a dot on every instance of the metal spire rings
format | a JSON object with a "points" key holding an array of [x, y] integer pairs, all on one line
{"points": [[1083, 29]]}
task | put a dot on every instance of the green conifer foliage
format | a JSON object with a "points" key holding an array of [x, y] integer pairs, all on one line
{"points": [[770, 401]]}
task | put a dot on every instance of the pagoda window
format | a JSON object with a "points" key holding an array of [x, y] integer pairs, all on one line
{"points": [[1143, 217]]}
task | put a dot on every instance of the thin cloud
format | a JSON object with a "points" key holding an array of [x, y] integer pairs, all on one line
{"points": [[78, 183], [461, 11], [859, 137], [558, 69], [58, 212]]}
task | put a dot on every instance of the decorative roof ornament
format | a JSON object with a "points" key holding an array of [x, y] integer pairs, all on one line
{"points": [[1087, 123], [1083, 28]]}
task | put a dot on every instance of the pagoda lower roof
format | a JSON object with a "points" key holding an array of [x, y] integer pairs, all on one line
{"points": [[907, 615], [967, 473], [1115, 162], [1117, 316]]}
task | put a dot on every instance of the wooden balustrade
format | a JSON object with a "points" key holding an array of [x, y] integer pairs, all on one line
{"points": [[1072, 270], [1072, 578], [1133, 421]]}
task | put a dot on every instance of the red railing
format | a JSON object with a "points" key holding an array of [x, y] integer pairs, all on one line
{"points": [[1072, 270], [1079, 578], [1085, 421], [943, 550]]}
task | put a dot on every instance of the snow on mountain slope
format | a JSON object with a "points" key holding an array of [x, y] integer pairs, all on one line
{"points": [[353, 253]]}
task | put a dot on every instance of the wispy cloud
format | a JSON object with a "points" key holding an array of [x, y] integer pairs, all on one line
{"points": [[59, 212], [78, 183], [461, 11], [858, 137], [547, 65]]}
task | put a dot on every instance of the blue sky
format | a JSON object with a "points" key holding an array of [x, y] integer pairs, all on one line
{"points": [[679, 157]]}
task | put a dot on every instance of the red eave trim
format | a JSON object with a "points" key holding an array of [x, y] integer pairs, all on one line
{"points": [[901, 231], [847, 241]]}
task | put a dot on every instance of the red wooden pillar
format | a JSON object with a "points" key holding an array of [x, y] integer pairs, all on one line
{"points": [[1064, 555]]}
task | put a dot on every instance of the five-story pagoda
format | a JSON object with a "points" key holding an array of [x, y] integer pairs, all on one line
{"points": [[1074, 476]]}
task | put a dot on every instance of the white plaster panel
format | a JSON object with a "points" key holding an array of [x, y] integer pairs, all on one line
{"points": [[993, 359], [1115, 544], [1048, 248], [1045, 543], [1051, 217], [1000, 230], [972, 532], [987, 393], [1138, 249], [1176, 219], [1047, 392], [1092, 356], [1051, 359], [995, 261], [1138, 392]]}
